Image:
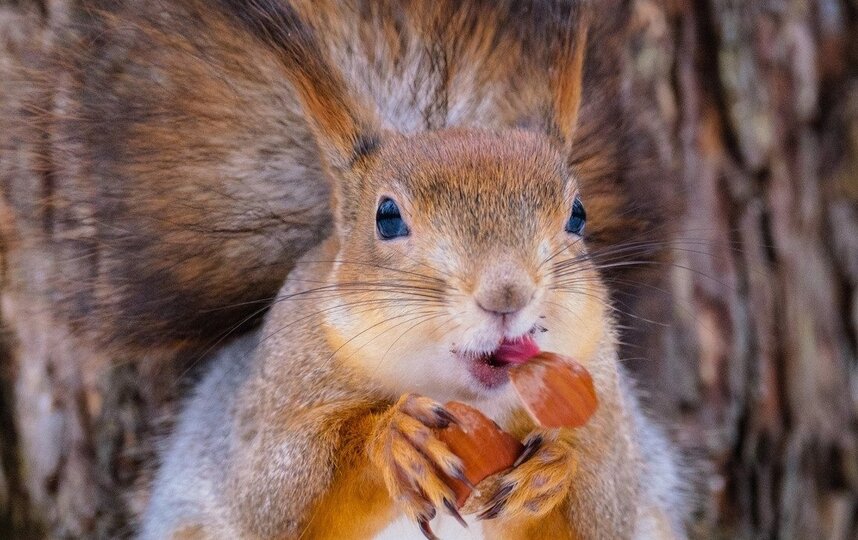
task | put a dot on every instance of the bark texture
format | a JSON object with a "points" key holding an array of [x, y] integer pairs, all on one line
{"points": [[759, 357], [748, 343]]}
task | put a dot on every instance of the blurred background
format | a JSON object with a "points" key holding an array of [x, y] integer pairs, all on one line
{"points": [[747, 344]]}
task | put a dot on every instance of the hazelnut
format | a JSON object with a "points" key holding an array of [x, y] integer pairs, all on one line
{"points": [[484, 448], [555, 390]]}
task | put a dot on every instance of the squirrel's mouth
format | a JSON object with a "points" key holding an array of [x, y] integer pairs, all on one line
{"points": [[491, 368]]}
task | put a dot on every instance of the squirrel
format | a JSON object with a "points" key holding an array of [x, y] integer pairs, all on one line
{"points": [[446, 242]]}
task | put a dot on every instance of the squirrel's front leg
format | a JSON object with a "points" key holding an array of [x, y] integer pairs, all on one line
{"points": [[409, 457], [539, 480]]}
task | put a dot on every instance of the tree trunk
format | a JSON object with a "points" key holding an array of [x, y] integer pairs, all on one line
{"points": [[748, 345]]}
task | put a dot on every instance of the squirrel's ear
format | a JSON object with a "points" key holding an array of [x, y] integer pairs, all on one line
{"points": [[567, 67], [345, 129]]}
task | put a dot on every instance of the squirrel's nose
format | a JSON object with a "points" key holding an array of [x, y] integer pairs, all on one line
{"points": [[505, 291]]}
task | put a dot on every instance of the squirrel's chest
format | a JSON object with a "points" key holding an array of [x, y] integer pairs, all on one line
{"points": [[444, 527]]}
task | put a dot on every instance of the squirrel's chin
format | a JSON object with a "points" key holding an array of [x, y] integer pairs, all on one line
{"points": [[489, 373]]}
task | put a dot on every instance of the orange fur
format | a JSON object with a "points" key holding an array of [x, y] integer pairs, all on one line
{"points": [[553, 526], [356, 500]]}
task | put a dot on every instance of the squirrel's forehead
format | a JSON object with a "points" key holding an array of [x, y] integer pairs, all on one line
{"points": [[496, 171], [507, 187], [475, 156], [486, 188]]}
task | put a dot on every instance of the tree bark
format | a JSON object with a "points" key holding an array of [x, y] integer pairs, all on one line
{"points": [[758, 360], [747, 345]]}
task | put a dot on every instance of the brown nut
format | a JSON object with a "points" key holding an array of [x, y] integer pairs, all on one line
{"points": [[483, 447], [555, 390]]}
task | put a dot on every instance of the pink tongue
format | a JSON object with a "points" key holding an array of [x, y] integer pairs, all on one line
{"points": [[517, 352]]}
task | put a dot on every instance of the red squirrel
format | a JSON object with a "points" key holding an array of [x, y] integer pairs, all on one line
{"points": [[447, 242]]}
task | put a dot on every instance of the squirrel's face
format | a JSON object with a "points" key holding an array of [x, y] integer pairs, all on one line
{"points": [[452, 243]]}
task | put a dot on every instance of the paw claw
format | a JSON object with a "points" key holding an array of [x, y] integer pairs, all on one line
{"points": [[491, 512], [445, 417], [426, 529], [496, 503], [426, 410], [455, 513], [459, 474], [530, 448]]}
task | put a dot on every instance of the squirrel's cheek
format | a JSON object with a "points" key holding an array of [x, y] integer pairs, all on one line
{"points": [[575, 323]]}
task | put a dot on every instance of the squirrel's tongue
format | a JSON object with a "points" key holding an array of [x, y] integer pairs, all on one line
{"points": [[518, 351]]}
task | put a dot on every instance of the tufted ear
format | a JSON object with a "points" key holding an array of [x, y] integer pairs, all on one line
{"points": [[566, 59], [346, 130]]}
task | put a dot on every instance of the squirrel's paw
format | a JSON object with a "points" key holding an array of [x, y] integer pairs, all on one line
{"points": [[410, 458], [539, 480]]}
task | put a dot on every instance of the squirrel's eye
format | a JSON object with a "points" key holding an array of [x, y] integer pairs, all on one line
{"points": [[578, 219], [388, 221]]}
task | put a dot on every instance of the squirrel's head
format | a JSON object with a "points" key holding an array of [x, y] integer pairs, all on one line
{"points": [[451, 242]]}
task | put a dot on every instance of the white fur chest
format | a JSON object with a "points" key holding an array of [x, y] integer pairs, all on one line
{"points": [[444, 527]]}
